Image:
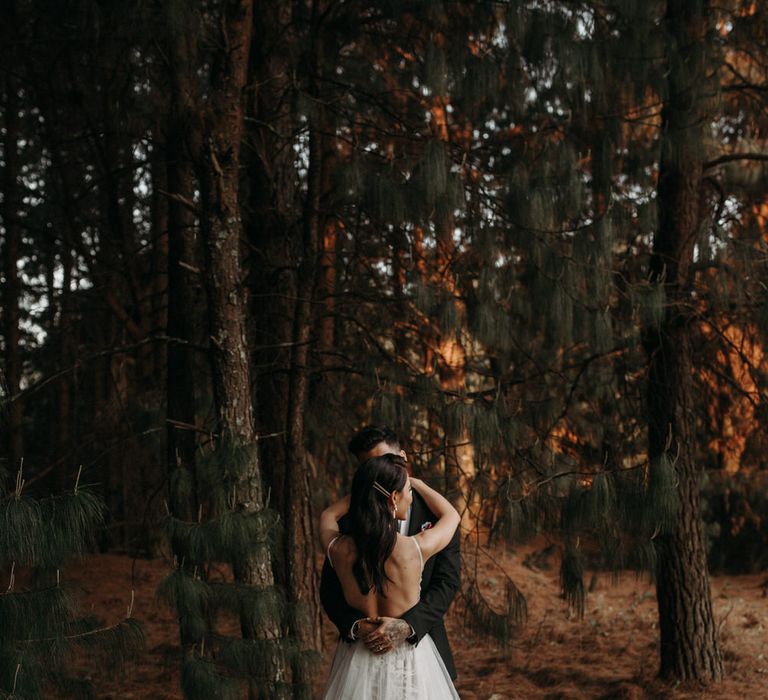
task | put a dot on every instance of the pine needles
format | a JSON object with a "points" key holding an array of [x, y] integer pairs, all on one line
{"points": [[483, 617], [226, 536], [39, 626]]}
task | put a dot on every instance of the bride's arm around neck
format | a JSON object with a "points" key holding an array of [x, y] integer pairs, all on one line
{"points": [[437, 537], [329, 521]]}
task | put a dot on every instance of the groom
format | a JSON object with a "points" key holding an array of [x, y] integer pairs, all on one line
{"points": [[439, 583]]}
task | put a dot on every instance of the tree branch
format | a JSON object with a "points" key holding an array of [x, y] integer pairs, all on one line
{"points": [[730, 157]]}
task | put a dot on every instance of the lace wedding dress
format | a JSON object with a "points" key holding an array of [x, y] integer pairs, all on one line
{"points": [[408, 672]]}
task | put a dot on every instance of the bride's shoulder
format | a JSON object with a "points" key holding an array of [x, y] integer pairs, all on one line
{"points": [[343, 545], [402, 546]]}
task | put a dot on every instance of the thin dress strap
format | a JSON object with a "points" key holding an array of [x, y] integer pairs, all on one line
{"points": [[328, 551], [421, 561]]}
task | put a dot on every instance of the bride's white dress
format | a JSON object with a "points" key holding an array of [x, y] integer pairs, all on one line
{"points": [[408, 672]]}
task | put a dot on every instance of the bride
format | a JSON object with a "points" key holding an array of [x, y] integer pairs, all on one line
{"points": [[380, 574]]}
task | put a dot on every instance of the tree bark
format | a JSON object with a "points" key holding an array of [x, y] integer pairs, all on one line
{"points": [[11, 255], [302, 578], [180, 386], [64, 393], [274, 232], [689, 646], [221, 225]]}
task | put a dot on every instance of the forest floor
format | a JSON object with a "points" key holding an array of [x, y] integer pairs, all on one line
{"points": [[611, 654]]}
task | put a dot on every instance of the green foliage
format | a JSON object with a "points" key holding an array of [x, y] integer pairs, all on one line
{"points": [[590, 505], [431, 176], [191, 598], [43, 532], [735, 508], [109, 646], [483, 618], [39, 627], [483, 424], [649, 302], [225, 464], [662, 500], [523, 230], [219, 666], [52, 607], [480, 80], [572, 578], [250, 658], [201, 679], [214, 665], [384, 196], [436, 70]]}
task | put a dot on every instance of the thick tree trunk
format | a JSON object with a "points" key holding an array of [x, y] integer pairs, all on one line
{"points": [[11, 255], [302, 579], [180, 360], [180, 379], [218, 169], [157, 311], [284, 283], [66, 440], [327, 287], [273, 231], [221, 226], [689, 646], [460, 468]]}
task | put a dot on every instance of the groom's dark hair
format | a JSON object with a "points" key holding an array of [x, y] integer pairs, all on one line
{"points": [[368, 437]]}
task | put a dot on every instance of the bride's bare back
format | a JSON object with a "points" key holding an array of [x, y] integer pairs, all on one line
{"points": [[403, 569]]}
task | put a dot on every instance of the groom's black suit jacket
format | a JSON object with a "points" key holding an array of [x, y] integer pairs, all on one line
{"points": [[440, 581]]}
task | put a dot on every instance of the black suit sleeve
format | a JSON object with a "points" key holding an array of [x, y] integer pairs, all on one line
{"points": [[439, 594]]}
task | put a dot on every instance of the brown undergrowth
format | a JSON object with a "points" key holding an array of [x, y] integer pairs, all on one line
{"points": [[611, 654]]}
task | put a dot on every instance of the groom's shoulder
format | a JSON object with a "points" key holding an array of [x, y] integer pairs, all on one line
{"points": [[422, 518], [419, 507]]}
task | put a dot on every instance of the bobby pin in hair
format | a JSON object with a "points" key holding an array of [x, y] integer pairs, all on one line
{"points": [[381, 489]]}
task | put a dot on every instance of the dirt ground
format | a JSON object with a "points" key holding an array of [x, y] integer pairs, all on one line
{"points": [[611, 654]]}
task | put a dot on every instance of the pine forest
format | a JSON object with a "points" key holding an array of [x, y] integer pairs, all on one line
{"points": [[529, 236]]}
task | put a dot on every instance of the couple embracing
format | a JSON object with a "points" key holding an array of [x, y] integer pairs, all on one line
{"points": [[390, 574]]}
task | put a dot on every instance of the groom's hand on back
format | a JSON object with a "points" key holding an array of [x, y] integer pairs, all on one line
{"points": [[382, 634]]}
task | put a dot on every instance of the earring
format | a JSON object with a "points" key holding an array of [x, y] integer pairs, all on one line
{"points": [[394, 511]]}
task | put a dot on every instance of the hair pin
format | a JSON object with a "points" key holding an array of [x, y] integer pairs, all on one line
{"points": [[381, 489]]}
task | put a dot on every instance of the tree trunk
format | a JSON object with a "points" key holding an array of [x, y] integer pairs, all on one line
{"points": [[302, 578], [221, 226], [327, 287], [274, 232], [180, 379], [64, 393], [158, 268], [284, 283], [689, 646], [460, 468], [11, 255]]}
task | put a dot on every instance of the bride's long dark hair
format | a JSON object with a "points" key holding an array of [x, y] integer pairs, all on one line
{"points": [[371, 523]]}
